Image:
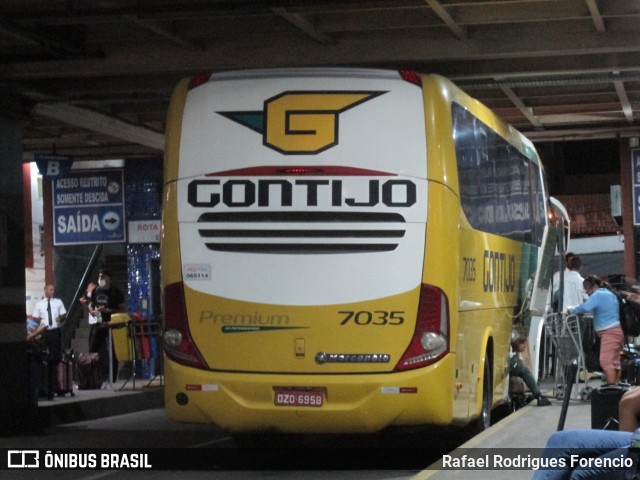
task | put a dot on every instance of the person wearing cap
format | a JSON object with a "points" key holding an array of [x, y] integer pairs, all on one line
{"points": [[106, 299]]}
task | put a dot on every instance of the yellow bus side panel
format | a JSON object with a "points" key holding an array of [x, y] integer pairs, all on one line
{"points": [[476, 330], [170, 241], [489, 291], [169, 238], [173, 131], [479, 272]]}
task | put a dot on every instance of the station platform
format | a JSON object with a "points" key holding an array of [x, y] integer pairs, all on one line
{"points": [[524, 430], [120, 399]]}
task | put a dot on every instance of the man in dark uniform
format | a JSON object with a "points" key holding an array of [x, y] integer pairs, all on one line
{"points": [[105, 300]]}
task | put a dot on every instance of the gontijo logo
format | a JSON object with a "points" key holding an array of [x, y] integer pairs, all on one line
{"points": [[303, 123]]}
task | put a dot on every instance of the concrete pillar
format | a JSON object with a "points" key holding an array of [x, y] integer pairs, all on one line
{"points": [[14, 398], [627, 210]]}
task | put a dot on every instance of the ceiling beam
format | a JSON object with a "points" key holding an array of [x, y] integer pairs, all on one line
{"points": [[377, 50], [578, 133], [18, 33], [559, 108], [459, 32], [162, 32], [303, 24], [47, 43], [101, 123], [598, 22], [624, 100], [526, 111], [94, 152]]}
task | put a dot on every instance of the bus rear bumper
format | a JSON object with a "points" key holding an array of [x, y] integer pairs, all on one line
{"points": [[241, 402]]}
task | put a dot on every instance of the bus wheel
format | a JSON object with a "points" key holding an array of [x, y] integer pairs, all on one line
{"points": [[484, 420]]}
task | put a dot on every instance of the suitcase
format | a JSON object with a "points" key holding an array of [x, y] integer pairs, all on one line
{"points": [[64, 377], [89, 371], [604, 406], [47, 379], [630, 365]]}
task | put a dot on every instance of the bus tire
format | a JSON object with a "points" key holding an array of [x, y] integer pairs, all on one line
{"points": [[484, 420]]}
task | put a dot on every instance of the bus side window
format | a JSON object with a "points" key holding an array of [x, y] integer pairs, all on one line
{"points": [[499, 186]]}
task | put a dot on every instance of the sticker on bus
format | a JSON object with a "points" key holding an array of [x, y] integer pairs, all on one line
{"points": [[197, 272]]}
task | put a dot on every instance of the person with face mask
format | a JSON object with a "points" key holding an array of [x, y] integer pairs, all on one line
{"points": [[85, 300], [106, 299]]}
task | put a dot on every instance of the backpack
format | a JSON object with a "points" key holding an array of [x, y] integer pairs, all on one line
{"points": [[629, 317]]}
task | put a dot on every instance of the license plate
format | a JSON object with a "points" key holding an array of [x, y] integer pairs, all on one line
{"points": [[298, 398]]}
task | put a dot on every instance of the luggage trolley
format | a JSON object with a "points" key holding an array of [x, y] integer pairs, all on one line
{"points": [[565, 334]]}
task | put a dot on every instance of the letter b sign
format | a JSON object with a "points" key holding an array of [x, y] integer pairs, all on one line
{"points": [[53, 169], [53, 166]]}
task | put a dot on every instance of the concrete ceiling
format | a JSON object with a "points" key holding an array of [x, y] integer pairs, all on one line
{"points": [[93, 78]]}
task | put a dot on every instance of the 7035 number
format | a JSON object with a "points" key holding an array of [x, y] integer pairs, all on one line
{"points": [[377, 317]]}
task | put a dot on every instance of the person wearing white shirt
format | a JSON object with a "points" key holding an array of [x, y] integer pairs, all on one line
{"points": [[556, 279], [50, 313], [556, 276], [574, 293]]}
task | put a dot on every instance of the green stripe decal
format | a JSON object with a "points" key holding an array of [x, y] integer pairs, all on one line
{"points": [[253, 328]]}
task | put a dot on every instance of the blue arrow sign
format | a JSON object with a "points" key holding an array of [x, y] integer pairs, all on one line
{"points": [[88, 207]]}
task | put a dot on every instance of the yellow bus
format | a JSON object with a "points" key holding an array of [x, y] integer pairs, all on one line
{"points": [[342, 250]]}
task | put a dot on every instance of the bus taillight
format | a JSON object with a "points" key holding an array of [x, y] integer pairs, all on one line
{"points": [[199, 79], [430, 340], [411, 76], [177, 341]]}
